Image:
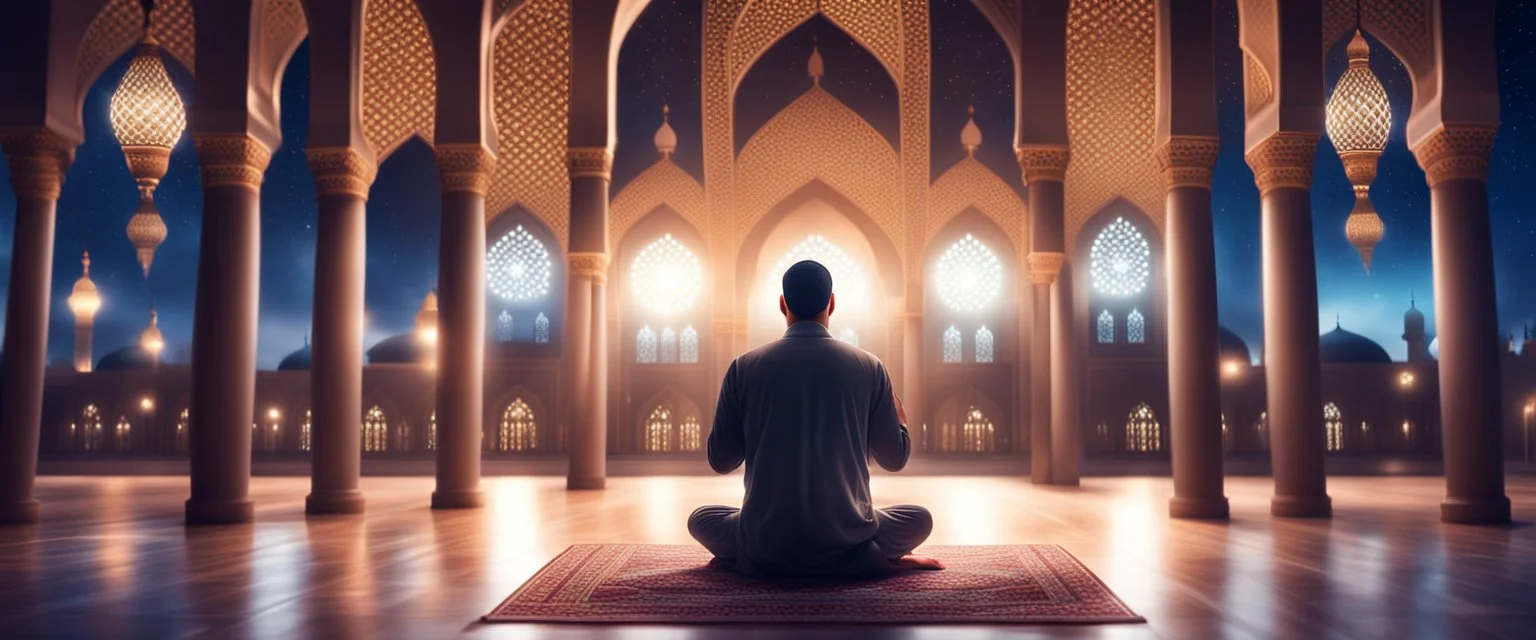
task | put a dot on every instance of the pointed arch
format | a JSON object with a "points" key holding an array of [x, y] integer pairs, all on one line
{"points": [[664, 187], [661, 420], [1143, 432], [888, 259], [970, 186], [399, 76], [530, 108]]}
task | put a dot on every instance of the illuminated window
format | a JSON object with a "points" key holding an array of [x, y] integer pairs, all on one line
{"points": [[1333, 424], [541, 329], [951, 347], [432, 431], [1135, 328], [645, 346], [1142, 431], [688, 437], [848, 278], [849, 336], [978, 433], [519, 267], [304, 432], [1261, 429], [1119, 260], [375, 430], [518, 430], [688, 353], [666, 277], [658, 429], [668, 346], [984, 348], [1106, 327], [1226, 436], [122, 435], [92, 436], [181, 430], [504, 326], [270, 436], [968, 275]]}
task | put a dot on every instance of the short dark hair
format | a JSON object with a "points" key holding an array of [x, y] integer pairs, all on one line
{"points": [[807, 288]]}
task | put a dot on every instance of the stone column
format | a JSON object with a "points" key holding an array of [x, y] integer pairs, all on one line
{"points": [[224, 329], [1282, 167], [1455, 161], [1044, 168], [37, 159], [465, 172], [1194, 379], [1066, 400], [586, 343], [342, 178]]}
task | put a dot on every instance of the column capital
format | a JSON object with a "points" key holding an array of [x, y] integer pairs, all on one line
{"points": [[1283, 161], [38, 158], [1456, 152], [590, 162], [465, 167], [1045, 266], [1188, 161], [1043, 162], [232, 160], [341, 171], [591, 265]]}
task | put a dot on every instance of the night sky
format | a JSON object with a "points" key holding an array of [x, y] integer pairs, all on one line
{"points": [[660, 63]]}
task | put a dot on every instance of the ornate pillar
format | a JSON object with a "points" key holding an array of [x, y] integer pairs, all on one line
{"points": [[1066, 398], [38, 158], [586, 340], [342, 178], [1282, 167], [224, 328], [1194, 381], [465, 172], [1044, 168], [1455, 161]]}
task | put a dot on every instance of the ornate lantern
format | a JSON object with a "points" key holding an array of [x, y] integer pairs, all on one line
{"points": [[148, 118], [1359, 119], [150, 339]]}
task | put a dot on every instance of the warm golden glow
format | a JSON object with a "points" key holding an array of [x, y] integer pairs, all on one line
{"points": [[273, 414], [150, 339], [1405, 379], [148, 118], [84, 300], [1359, 118], [146, 403], [1232, 368]]}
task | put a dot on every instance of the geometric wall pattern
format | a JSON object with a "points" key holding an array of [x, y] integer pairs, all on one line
{"points": [[970, 184], [531, 103], [120, 26], [664, 183], [399, 83]]}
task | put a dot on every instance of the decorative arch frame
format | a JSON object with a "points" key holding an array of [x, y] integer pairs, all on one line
{"points": [[398, 92], [543, 421], [554, 308], [887, 256], [392, 415], [530, 109], [956, 405], [971, 186], [1156, 313], [682, 407], [663, 184]]}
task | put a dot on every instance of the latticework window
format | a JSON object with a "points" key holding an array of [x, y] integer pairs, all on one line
{"points": [[978, 434], [1119, 260], [645, 346], [847, 277], [668, 351], [181, 430], [519, 267], [658, 429], [541, 329], [1106, 327], [504, 326], [689, 437], [518, 430], [403, 437], [93, 438], [1261, 430], [304, 432], [1143, 433], [985, 350], [849, 336], [122, 435], [968, 276], [666, 276], [432, 431], [688, 349], [375, 430], [1135, 328], [950, 351], [1333, 424]]}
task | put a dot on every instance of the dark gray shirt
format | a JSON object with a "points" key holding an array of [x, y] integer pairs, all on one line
{"points": [[806, 412]]}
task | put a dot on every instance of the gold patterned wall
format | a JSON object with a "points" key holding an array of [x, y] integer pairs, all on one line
{"points": [[1403, 25], [664, 183], [1111, 109], [1261, 52], [531, 104], [119, 26], [399, 92], [970, 184], [282, 25]]}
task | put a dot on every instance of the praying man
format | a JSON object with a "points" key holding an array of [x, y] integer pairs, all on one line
{"points": [[805, 413]]}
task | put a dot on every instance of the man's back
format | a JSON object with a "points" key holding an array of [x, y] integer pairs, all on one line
{"points": [[805, 413]]}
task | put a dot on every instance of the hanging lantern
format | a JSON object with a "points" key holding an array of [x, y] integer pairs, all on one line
{"points": [[1359, 119], [148, 118]]}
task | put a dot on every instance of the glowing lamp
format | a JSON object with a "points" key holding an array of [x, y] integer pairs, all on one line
{"points": [[1405, 379], [273, 414], [426, 320], [148, 118], [146, 403], [1231, 368], [1358, 121], [84, 300], [150, 339]]}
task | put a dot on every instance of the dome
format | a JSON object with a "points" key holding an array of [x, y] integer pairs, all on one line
{"points": [[970, 135], [1233, 346], [1345, 347], [402, 348], [666, 137], [130, 358], [296, 361]]}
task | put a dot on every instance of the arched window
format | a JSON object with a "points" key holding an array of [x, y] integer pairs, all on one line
{"points": [[518, 430], [1143, 433], [688, 437], [1135, 328], [688, 351], [1106, 327], [984, 347], [403, 436], [375, 430], [432, 431], [968, 276], [666, 277], [519, 267], [658, 429], [1261, 430], [852, 288], [978, 433], [951, 348], [1119, 260], [271, 435], [1226, 436], [504, 326], [849, 336], [668, 346], [181, 430], [1333, 424], [93, 438], [304, 431], [541, 329], [645, 346], [122, 435]]}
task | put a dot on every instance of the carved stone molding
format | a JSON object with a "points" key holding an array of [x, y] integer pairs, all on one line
{"points": [[38, 158], [1045, 266], [465, 167], [1456, 152], [1188, 161], [1283, 161], [1043, 162], [590, 162], [341, 171], [590, 265], [232, 160]]}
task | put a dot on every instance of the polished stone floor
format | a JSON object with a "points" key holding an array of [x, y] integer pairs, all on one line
{"points": [[112, 559]]}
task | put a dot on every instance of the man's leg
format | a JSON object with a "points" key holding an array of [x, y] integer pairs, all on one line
{"points": [[715, 527], [902, 528]]}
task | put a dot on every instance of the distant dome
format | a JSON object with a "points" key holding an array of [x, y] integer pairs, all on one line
{"points": [[404, 348], [1233, 346], [1344, 347], [296, 361], [131, 358]]}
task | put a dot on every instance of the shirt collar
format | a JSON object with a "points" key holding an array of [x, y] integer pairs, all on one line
{"points": [[807, 329]]}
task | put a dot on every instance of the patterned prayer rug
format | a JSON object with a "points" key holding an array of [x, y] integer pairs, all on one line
{"points": [[610, 583]]}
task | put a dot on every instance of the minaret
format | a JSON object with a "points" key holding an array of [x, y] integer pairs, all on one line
{"points": [[970, 134], [815, 67], [1413, 332], [84, 301], [150, 339], [426, 319], [665, 138]]}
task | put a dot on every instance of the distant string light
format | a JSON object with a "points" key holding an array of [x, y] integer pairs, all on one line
{"points": [[520, 267], [666, 277], [1119, 260], [969, 275]]}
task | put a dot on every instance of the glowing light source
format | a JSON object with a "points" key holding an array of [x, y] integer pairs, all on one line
{"points": [[146, 403], [273, 413], [426, 320], [848, 282], [150, 339], [84, 300], [1405, 379], [1359, 118], [968, 275], [666, 277], [519, 267], [1232, 368], [1119, 260], [148, 118]]}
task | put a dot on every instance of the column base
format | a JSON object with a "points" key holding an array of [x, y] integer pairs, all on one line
{"points": [[24, 512], [1475, 510], [1201, 508], [583, 484], [220, 511], [1301, 506], [326, 502], [472, 499]]}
